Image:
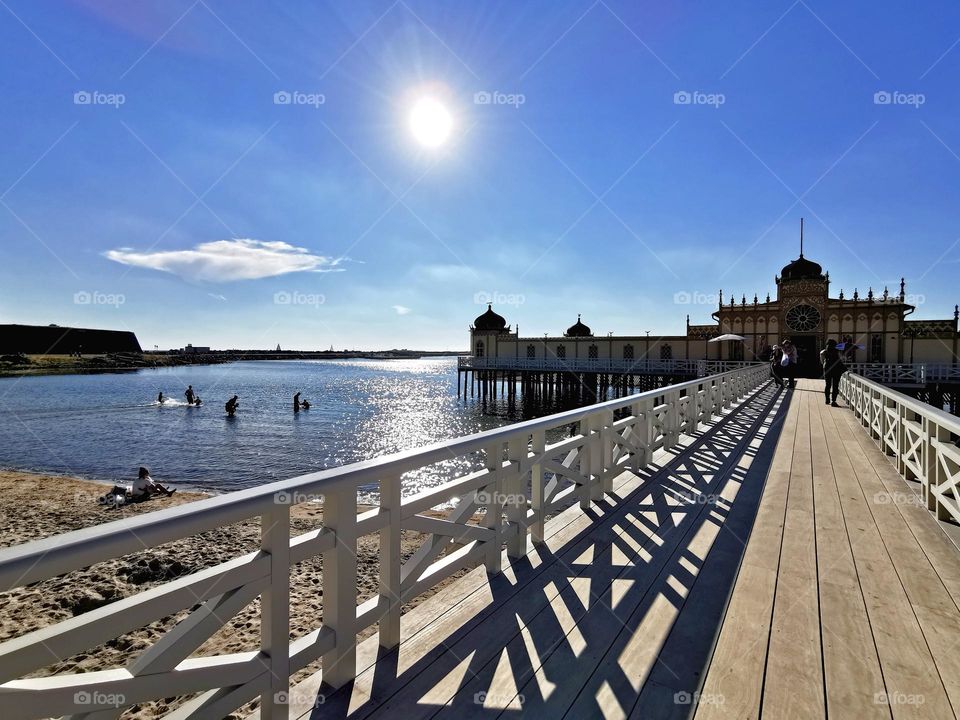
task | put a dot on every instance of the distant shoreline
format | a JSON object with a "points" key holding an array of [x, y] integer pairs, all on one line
{"points": [[39, 365]]}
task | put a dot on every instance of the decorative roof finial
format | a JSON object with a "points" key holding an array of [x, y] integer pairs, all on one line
{"points": [[743, 300], [768, 297], [870, 294], [754, 298], [801, 237], [886, 293], [856, 295], [956, 312], [721, 296], [903, 288], [841, 293]]}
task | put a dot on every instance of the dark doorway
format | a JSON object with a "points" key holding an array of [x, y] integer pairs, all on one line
{"points": [[808, 353]]}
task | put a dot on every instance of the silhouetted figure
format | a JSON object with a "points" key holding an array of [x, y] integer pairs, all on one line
{"points": [[144, 487], [788, 363], [232, 405], [305, 404], [296, 402], [189, 395], [833, 369], [197, 401], [160, 398], [776, 355]]}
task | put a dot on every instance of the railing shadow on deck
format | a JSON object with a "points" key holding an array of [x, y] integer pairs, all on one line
{"points": [[643, 537]]}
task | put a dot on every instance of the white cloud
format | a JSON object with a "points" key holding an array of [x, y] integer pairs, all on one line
{"points": [[402, 310], [228, 260], [215, 296]]}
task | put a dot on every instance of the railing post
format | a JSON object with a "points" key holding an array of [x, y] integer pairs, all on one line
{"points": [[516, 497], [672, 431], [586, 462], [390, 591], [340, 586], [934, 475], [493, 518], [605, 421], [275, 608], [643, 430], [537, 489]]}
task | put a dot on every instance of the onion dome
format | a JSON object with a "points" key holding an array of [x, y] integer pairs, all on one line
{"points": [[490, 321], [578, 330], [802, 269]]}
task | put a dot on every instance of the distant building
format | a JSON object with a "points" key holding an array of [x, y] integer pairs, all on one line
{"points": [[195, 349], [874, 325], [56, 340]]}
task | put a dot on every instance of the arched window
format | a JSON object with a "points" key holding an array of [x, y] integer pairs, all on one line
{"points": [[479, 352], [531, 351], [561, 351], [628, 352], [666, 352], [592, 352], [876, 348]]}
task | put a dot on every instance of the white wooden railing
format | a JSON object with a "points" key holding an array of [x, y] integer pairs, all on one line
{"points": [[921, 438], [520, 482], [642, 366], [907, 373]]}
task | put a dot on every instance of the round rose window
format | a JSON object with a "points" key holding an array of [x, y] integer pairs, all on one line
{"points": [[803, 318]]}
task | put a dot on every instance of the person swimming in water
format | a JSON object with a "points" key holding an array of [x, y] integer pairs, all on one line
{"points": [[232, 405], [305, 404], [189, 394], [197, 401]]}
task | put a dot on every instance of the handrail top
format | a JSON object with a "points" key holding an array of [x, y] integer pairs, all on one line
{"points": [[162, 526], [942, 417]]}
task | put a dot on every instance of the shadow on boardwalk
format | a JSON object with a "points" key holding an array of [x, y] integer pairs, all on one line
{"points": [[619, 619]]}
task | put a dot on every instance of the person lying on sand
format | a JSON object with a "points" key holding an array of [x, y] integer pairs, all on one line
{"points": [[144, 487]]}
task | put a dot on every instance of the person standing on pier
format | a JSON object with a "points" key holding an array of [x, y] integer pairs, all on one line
{"points": [[788, 363], [833, 369]]}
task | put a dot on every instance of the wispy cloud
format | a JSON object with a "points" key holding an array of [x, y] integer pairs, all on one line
{"points": [[402, 310], [229, 260], [215, 296]]}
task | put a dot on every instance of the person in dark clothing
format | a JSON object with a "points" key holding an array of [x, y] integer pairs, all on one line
{"points": [[232, 405], [296, 403], [833, 369], [189, 394], [776, 353]]}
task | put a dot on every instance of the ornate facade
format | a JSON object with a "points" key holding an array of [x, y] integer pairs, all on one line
{"points": [[874, 327]]}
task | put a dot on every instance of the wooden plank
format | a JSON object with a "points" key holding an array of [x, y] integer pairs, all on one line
{"points": [[737, 666], [793, 683], [852, 675], [934, 608], [913, 686]]}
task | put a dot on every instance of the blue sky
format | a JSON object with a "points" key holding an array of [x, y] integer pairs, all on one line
{"points": [[634, 158]]}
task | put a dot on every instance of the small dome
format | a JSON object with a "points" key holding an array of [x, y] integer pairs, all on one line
{"points": [[802, 269], [490, 321], [578, 330]]}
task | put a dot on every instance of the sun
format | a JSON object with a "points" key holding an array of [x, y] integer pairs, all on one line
{"points": [[430, 122]]}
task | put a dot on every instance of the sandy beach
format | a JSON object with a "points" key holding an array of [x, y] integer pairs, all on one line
{"points": [[34, 506]]}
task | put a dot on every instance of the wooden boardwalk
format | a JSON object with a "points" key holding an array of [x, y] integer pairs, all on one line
{"points": [[774, 565]]}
